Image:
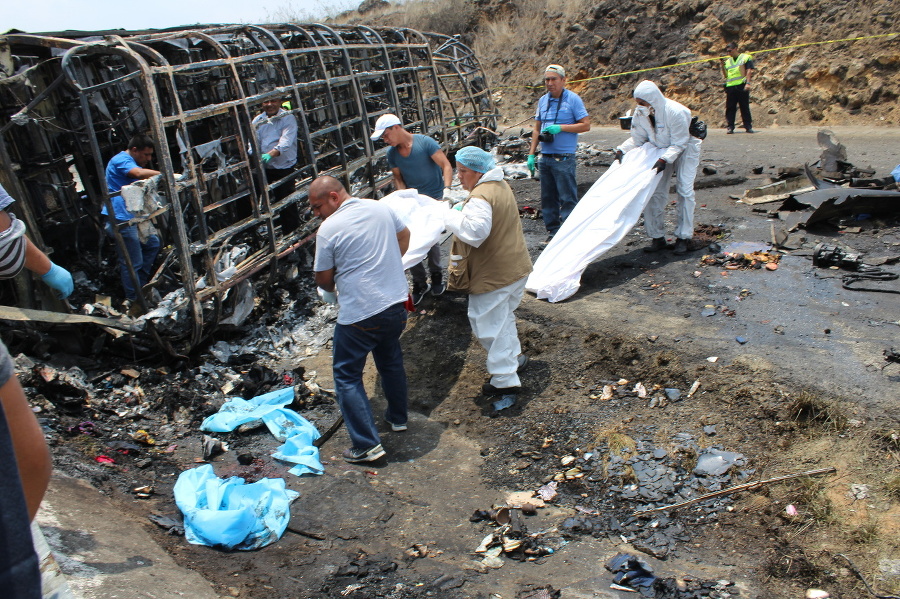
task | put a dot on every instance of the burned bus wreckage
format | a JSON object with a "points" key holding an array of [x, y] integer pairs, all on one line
{"points": [[70, 101]]}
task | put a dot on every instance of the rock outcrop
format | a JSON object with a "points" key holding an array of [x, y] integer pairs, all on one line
{"points": [[848, 82]]}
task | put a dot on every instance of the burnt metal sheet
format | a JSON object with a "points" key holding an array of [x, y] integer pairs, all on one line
{"points": [[828, 203], [69, 101]]}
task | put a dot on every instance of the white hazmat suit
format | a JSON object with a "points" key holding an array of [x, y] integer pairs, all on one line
{"points": [[668, 131]]}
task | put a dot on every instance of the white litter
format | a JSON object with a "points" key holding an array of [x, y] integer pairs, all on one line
{"points": [[423, 216]]}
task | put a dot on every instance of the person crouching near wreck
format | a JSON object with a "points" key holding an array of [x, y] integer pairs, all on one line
{"points": [[489, 261], [358, 254]]}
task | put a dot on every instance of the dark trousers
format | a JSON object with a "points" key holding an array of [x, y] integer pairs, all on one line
{"points": [[289, 218], [380, 336], [420, 275], [737, 95]]}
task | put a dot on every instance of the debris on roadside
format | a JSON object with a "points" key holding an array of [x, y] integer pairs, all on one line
{"points": [[531, 591], [143, 491], [631, 574], [174, 525], [635, 575], [417, 551], [743, 261], [658, 395], [621, 471], [510, 537], [287, 426], [831, 190], [892, 355], [212, 447]]}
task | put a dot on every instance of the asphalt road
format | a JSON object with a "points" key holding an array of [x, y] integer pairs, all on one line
{"points": [[802, 327]]}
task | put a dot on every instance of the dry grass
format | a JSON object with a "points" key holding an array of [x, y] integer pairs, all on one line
{"points": [[892, 487], [618, 444], [865, 533], [811, 494], [811, 410]]}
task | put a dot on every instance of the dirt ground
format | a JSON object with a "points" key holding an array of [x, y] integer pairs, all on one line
{"points": [[808, 388]]}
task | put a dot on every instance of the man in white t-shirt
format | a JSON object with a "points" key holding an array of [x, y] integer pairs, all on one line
{"points": [[358, 253]]}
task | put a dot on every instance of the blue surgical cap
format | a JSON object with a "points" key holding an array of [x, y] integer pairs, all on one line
{"points": [[475, 159]]}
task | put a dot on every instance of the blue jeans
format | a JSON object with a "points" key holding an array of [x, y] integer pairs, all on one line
{"points": [[380, 335], [559, 190], [142, 257]]}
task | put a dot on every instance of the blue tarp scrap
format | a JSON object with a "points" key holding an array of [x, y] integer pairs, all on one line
{"points": [[238, 411], [229, 513], [296, 432]]}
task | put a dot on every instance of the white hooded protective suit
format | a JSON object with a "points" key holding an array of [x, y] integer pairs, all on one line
{"points": [[682, 155]]}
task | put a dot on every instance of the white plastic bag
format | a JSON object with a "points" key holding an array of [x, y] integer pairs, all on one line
{"points": [[609, 209]]}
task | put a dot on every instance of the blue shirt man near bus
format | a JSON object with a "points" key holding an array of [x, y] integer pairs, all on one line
{"points": [[560, 117], [123, 169]]}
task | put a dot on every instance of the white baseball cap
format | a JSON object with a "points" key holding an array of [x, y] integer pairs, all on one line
{"points": [[384, 121]]}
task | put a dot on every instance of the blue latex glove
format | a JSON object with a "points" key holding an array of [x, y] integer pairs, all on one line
{"points": [[552, 129], [60, 279], [531, 163], [459, 206], [265, 158]]}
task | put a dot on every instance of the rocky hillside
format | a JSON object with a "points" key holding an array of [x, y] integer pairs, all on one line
{"points": [[822, 84]]}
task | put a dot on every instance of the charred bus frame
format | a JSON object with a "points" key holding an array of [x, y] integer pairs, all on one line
{"points": [[69, 101]]}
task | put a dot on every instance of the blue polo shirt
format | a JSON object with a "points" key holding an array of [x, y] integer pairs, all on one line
{"points": [[116, 178], [565, 110]]}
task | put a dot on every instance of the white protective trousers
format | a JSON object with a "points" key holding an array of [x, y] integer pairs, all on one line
{"points": [[493, 321], [685, 169]]}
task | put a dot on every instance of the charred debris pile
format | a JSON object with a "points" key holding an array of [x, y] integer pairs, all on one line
{"points": [[71, 100]]}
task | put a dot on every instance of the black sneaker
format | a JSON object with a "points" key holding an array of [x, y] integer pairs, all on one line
{"points": [[657, 245], [437, 285], [419, 292], [397, 428], [750, 130], [730, 130], [521, 362], [358, 456], [489, 389], [681, 247]]}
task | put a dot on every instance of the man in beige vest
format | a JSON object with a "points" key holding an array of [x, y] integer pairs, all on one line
{"points": [[489, 261]]}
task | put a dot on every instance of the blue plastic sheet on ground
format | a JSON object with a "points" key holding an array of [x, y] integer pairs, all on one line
{"points": [[284, 424], [896, 174], [296, 432], [298, 435], [230, 514], [299, 450], [240, 411]]}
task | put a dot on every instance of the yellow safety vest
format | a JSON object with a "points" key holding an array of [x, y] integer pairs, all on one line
{"points": [[733, 70]]}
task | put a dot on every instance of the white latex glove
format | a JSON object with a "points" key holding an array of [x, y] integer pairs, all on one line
{"points": [[448, 194], [329, 297]]}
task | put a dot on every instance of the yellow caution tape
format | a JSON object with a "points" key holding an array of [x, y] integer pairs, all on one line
{"points": [[681, 64]]}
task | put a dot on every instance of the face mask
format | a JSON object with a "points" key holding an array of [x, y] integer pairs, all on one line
{"points": [[641, 110]]}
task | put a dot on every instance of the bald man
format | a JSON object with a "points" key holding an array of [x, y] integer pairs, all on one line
{"points": [[358, 254]]}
